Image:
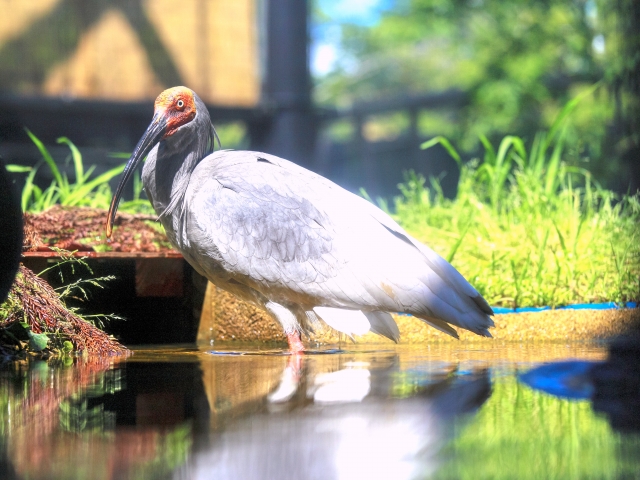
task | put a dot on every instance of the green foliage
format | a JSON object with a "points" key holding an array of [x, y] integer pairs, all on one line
{"points": [[526, 228], [172, 451], [77, 416], [234, 134], [79, 289], [518, 61], [61, 397], [84, 191], [37, 341]]}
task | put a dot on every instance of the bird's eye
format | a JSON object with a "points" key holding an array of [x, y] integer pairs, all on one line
{"points": [[180, 104]]}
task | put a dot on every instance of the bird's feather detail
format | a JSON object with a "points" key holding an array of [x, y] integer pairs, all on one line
{"points": [[313, 243], [383, 324]]}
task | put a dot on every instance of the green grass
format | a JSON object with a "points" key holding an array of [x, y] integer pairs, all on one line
{"points": [[525, 228], [85, 190]]}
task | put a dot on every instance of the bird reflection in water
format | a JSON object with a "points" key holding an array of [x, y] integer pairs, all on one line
{"points": [[364, 418]]}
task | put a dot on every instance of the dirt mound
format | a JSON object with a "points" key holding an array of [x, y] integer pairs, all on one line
{"points": [[34, 302], [83, 229]]}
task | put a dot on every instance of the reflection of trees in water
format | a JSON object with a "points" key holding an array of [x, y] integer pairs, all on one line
{"points": [[422, 413], [264, 416], [41, 387], [52, 429], [30, 396], [518, 426], [76, 415]]}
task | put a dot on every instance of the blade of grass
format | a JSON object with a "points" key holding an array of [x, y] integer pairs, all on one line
{"points": [[27, 190], [78, 194], [569, 107], [447, 146], [18, 168], [489, 152], [552, 179], [456, 246], [46, 157], [365, 195], [77, 159]]}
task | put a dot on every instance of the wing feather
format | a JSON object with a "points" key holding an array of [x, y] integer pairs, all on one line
{"points": [[383, 324]]}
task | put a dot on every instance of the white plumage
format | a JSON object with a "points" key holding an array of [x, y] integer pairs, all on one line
{"points": [[291, 241]]}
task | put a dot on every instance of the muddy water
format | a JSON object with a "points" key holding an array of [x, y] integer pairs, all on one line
{"points": [[447, 411]]}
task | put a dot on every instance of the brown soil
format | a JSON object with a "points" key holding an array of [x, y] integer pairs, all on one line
{"points": [[226, 318], [83, 229]]}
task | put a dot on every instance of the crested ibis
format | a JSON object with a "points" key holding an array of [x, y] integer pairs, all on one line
{"points": [[289, 240]]}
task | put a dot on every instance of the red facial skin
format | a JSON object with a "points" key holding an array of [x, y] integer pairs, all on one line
{"points": [[177, 106]]}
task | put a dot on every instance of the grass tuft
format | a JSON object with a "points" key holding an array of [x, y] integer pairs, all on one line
{"points": [[527, 229], [85, 190]]}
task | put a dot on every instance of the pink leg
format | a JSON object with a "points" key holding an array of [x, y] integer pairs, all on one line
{"points": [[294, 365], [295, 343]]}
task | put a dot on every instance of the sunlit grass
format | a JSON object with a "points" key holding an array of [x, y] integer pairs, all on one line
{"points": [[87, 190], [83, 190], [527, 229], [575, 247]]}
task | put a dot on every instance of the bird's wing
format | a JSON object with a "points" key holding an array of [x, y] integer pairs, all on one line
{"points": [[438, 264], [295, 236], [244, 218]]}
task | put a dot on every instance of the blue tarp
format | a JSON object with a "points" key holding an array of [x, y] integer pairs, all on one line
{"points": [[581, 306]]}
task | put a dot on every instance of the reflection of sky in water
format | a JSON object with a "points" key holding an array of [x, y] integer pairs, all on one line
{"points": [[438, 412], [369, 450]]}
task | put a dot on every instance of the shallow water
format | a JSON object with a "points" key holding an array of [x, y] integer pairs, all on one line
{"points": [[439, 411]]}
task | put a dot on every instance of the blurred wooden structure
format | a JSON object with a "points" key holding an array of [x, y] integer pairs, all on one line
{"points": [[90, 70], [129, 50]]}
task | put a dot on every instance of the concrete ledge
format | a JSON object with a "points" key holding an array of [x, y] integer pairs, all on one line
{"points": [[225, 318]]}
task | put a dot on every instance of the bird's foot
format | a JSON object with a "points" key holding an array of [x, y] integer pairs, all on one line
{"points": [[295, 343]]}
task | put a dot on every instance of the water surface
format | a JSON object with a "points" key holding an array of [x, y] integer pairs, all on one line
{"points": [[438, 411]]}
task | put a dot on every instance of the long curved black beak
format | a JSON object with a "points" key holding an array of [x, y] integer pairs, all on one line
{"points": [[155, 132]]}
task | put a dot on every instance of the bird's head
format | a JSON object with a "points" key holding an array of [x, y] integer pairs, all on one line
{"points": [[173, 109]]}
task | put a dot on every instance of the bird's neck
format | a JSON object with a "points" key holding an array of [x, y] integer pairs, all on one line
{"points": [[167, 172]]}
